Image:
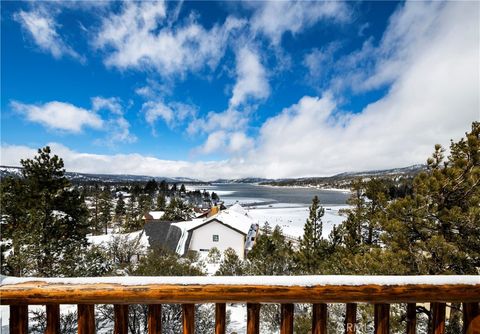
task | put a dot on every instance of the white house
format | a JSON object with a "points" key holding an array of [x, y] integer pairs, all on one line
{"points": [[230, 228]]}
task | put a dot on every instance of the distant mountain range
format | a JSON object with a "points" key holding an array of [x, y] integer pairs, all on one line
{"points": [[337, 180], [87, 177], [343, 180]]}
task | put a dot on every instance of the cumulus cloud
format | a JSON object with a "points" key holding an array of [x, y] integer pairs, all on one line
{"points": [[139, 37], [173, 113], [59, 116], [235, 143], [120, 163], [274, 18], [226, 129], [251, 78], [116, 125], [432, 100], [42, 28], [70, 118]]}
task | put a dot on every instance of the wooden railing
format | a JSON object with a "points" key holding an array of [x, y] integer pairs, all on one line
{"points": [[254, 291]]}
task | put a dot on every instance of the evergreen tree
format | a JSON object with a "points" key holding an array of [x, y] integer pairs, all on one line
{"points": [[436, 229], [177, 210], [120, 206], [50, 226], [105, 212], [231, 265], [309, 254], [161, 202], [280, 259]]}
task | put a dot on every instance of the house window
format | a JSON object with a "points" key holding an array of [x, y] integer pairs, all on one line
{"points": [[215, 238]]}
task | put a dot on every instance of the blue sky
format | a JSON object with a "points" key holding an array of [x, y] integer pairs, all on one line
{"points": [[236, 89]]}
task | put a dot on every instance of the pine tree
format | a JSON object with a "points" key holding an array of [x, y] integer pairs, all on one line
{"points": [[161, 201], [105, 211], [231, 264], [310, 255], [120, 206], [50, 225], [436, 229]]}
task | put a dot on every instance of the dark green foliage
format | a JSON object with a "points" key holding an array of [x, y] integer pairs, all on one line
{"points": [[280, 259], [177, 210], [161, 202], [161, 262], [45, 218], [231, 265], [312, 246], [120, 206]]}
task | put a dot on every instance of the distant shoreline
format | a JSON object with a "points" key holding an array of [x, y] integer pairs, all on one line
{"points": [[305, 187]]}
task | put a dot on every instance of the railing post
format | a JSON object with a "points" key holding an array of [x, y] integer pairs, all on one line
{"points": [[351, 318], [188, 318], [121, 319], [286, 318], [253, 318], [438, 311], [155, 319], [411, 318], [18, 319], [319, 318], [471, 318], [382, 318], [53, 319], [86, 318], [220, 312]]}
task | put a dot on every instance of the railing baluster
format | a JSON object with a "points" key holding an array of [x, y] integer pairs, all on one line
{"points": [[155, 319], [188, 318], [351, 318], [220, 311], [53, 319], [438, 311], [319, 318], [382, 318], [471, 318], [18, 319], [253, 318], [121, 319], [86, 318], [286, 325], [411, 318]]}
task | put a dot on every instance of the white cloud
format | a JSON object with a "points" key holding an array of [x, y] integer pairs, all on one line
{"points": [[41, 26], [116, 125], [432, 100], [274, 18], [59, 116], [70, 118], [135, 164], [139, 37], [226, 129], [236, 143], [214, 142], [230, 119], [173, 113], [251, 78], [113, 104]]}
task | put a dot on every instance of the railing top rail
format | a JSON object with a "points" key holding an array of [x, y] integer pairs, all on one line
{"points": [[261, 289], [304, 281]]}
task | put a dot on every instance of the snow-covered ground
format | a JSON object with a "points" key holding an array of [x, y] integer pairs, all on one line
{"points": [[291, 218]]}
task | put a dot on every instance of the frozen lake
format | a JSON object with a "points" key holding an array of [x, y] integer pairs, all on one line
{"points": [[252, 193]]}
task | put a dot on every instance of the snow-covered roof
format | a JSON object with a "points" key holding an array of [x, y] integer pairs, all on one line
{"points": [[235, 217], [238, 209], [105, 239], [156, 214], [320, 280]]}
